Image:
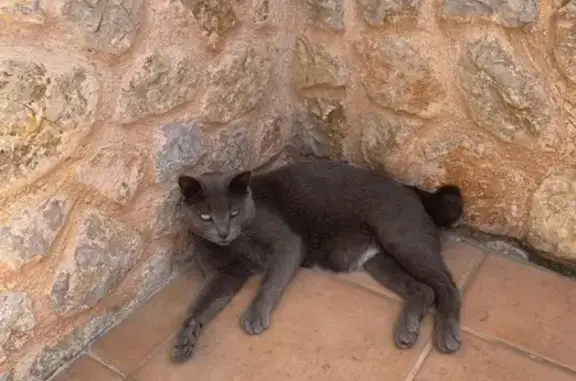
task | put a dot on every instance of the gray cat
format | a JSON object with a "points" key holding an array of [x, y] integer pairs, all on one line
{"points": [[319, 213]]}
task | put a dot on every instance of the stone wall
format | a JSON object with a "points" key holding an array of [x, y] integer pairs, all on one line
{"points": [[102, 102], [481, 93]]}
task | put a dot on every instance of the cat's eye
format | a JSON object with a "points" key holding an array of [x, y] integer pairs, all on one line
{"points": [[234, 213], [205, 217]]}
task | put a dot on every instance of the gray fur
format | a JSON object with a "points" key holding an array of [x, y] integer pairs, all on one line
{"points": [[319, 213]]}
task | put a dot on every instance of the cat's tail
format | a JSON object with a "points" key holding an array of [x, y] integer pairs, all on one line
{"points": [[445, 206]]}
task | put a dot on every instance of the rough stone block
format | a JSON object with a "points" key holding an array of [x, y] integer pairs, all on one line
{"points": [[104, 251], [44, 110], [384, 140], [234, 148], [327, 13], [16, 321], [115, 172], [26, 11], [157, 271], [552, 223], [503, 96], [314, 66], [40, 365], [169, 218], [398, 76], [214, 17], [381, 12], [497, 184], [161, 81], [33, 228], [307, 138], [509, 13], [236, 83], [109, 26], [272, 137], [176, 146], [565, 43], [330, 118]]}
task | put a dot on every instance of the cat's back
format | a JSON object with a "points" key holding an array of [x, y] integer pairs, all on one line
{"points": [[326, 176], [326, 188]]}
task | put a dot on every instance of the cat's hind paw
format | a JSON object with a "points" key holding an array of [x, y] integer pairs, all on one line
{"points": [[406, 333], [448, 336]]}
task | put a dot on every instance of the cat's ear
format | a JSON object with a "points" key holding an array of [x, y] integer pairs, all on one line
{"points": [[240, 182], [189, 187]]}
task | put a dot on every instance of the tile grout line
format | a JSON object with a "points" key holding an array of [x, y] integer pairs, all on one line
{"points": [[389, 296], [151, 355], [94, 357], [467, 279], [524, 262], [471, 275], [88, 350], [420, 360], [518, 349]]}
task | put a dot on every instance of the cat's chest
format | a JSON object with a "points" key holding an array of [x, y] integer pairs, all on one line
{"points": [[250, 247]]}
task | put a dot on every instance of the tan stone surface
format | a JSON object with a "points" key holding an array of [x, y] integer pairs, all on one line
{"points": [[215, 18], [236, 83], [115, 171], [327, 14], [398, 75], [481, 361], [497, 198], [126, 346], [508, 13], [525, 307], [502, 94], [384, 139], [103, 103], [160, 81], [314, 66], [330, 118], [323, 330], [328, 329], [88, 369], [379, 13], [552, 224], [566, 40], [104, 251], [46, 106]]}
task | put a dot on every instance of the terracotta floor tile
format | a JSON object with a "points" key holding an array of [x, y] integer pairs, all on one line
{"points": [[87, 369], [133, 341], [460, 258], [525, 307], [482, 361], [323, 330]]}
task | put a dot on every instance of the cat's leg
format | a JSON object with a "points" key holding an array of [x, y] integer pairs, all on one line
{"points": [[418, 296], [416, 246], [286, 257], [347, 251], [217, 292]]}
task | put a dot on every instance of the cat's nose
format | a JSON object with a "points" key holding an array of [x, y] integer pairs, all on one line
{"points": [[223, 234]]}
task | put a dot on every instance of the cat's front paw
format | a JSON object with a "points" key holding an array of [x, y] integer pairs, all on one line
{"points": [[256, 319], [186, 341]]}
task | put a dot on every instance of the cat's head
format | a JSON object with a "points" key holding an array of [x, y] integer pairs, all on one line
{"points": [[217, 206]]}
